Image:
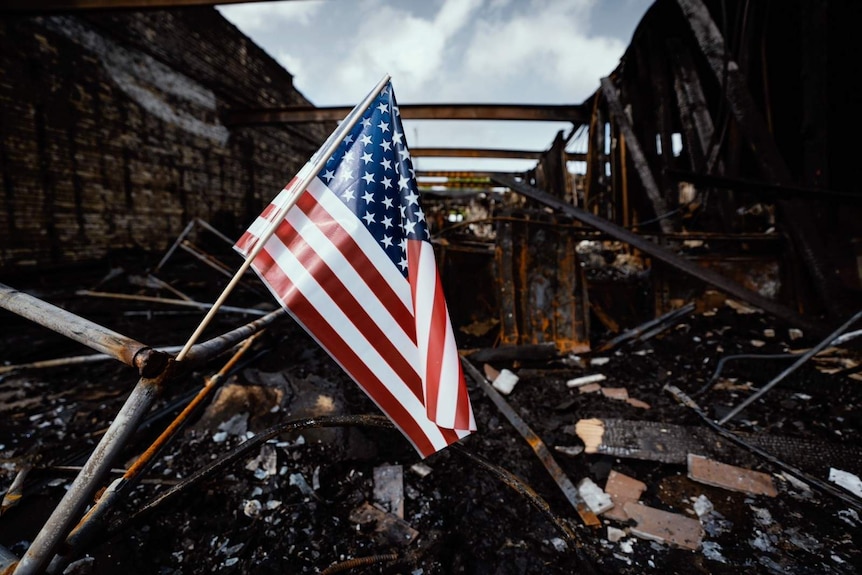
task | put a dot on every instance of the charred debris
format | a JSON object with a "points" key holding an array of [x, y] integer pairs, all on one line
{"points": [[658, 322]]}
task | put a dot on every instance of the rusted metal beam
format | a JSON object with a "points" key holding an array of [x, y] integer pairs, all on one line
{"points": [[539, 448], [49, 6], [637, 154], [795, 215], [662, 254], [526, 112], [91, 334], [456, 173], [488, 153]]}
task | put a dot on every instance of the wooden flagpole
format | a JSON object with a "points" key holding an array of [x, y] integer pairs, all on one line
{"points": [[306, 174]]}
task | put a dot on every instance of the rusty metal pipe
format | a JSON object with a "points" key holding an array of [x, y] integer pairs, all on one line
{"points": [[81, 491], [91, 334], [213, 347]]}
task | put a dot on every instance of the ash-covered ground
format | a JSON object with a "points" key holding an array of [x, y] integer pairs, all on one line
{"points": [[292, 505]]}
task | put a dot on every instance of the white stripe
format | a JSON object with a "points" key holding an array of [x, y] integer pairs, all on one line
{"points": [[353, 338], [447, 401], [366, 242], [424, 298], [368, 299]]}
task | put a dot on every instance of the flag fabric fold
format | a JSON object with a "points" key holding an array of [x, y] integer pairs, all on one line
{"points": [[351, 261]]}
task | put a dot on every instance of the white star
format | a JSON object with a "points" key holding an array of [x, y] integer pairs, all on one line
{"points": [[386, 145], [403, 212], [387, 183], [366, 122], [365, 139], [404, 153], [412, 198], [397, 110], [386, 163], [387, 241], [387, 222], [368, 197], [383, 126], [408, 227], [369, 218], [403, 244], [387, 201], [344, 175], [404, 182], [366, 157], [420, 215], [348, 139], [403, 263], [383, 108], [368, 177], [350, 155], [396, 137], [329, 174], [348, 195]]}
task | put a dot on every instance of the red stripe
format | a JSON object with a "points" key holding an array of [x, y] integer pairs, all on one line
{"points": [[360, 262], [328, 337], [331, 283]]}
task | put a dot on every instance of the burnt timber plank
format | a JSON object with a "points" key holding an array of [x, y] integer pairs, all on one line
{"points": [[525, 112], [638, 157]]}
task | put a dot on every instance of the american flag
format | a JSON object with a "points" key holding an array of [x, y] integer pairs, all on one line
{"points": [[352, 263]]}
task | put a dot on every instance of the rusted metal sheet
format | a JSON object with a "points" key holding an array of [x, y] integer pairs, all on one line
{"points": [[543, 293], [525, 112], [662, 254]]}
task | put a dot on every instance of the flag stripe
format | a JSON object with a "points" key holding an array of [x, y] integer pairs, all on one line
{"points": [[312, 255], [435, 338], [396, 401], [321, 206]]}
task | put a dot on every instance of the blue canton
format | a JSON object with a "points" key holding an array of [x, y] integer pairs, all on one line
{"points": [[372, 173]]}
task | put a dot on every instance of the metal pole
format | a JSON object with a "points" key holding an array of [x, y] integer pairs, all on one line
{"points": [[72, 326], [802, 359], [84, 486]]}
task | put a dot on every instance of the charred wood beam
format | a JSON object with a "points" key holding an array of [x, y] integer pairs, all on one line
{"points": [[768, 189], [50, 6], [526, 112], [638, 157], [662, 254], [488, 153], [455, 173], [802, 230]]}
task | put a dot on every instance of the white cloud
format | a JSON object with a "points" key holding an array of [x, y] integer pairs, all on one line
{"points": [[258, 16], [548, 44], [411, 48]]}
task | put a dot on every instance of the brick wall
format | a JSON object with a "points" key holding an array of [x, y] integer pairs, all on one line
{"points": [[111, 139]]}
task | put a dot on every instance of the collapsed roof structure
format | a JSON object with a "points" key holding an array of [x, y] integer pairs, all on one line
{"points": [[707, 167]]}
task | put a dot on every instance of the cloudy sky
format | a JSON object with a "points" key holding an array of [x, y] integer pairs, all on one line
{"points": [[448, 51]]}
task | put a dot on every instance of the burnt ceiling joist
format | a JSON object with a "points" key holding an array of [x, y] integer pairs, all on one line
{"points": [[48, 6], [577, 114], [487, 153]]}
